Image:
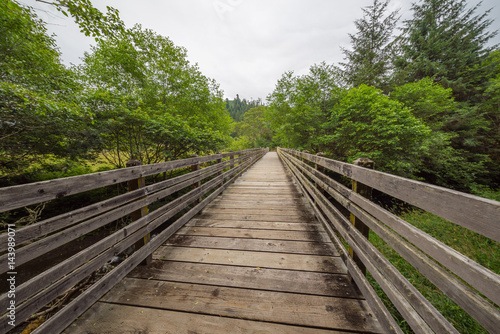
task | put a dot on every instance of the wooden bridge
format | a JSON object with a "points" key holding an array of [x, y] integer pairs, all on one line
{"points": [[243, 242]]}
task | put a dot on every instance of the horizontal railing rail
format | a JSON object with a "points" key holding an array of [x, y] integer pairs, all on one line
{"points": [[184, 195], [471, 286]]}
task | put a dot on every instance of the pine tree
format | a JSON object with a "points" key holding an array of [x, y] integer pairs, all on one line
{"points": [[369, 60], [447, 41]]}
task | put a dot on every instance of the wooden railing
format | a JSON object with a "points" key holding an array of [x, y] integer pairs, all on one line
{"points": [[474, 288], [187, 195]]}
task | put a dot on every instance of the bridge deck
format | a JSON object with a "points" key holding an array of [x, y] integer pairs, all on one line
{"points": [[255, 261]]}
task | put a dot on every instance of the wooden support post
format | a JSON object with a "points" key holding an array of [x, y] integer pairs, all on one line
{"points": [[320, 169], [231, 157], [219, 161], [194, 168], [136, 215], [366, 192]]}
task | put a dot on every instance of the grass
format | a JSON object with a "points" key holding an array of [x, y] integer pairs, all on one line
{"points": [[477, 247]]}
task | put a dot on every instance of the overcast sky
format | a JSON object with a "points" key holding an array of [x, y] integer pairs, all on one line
{"points": [[245, 45]]}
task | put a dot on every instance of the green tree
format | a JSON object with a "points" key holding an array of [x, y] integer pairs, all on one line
{"points": [[490, 106], [367, 123], [447, 41], [39, 113], [237, 107], [428, 100], [255, 128], [300, 105], [454, 156], [369, 61], [150, 102]]}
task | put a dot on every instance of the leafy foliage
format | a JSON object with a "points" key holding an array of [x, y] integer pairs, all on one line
{"points": [[135, 97], [300, 105], [38, 110], [428, 100], [92, 22], [254, 128], [150, 103], [366, 123]]}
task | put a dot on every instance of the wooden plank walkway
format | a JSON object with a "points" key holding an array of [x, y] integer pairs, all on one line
{"points": [[255, 261]]}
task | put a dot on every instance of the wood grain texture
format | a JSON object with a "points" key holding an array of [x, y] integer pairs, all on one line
{"points": [[287, 308], [259, 245], [281, 280], [407, 299], [255, 233], [23, 195], [326, 264], [475, 213], [105, 318], [259, 225], [255, 259], [259, 211], [253, 216]]}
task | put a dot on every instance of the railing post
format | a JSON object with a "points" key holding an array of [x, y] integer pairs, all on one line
{"points": [[194, 168], [219, 161], [320, 169], [231, 157], [136, 215], [366, 192]]}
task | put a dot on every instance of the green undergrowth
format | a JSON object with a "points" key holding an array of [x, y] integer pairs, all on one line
{"points": [[477, 247]]}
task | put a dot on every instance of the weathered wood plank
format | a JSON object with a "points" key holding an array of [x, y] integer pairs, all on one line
{"points": [[325, 264], [260, 225], [385, 318], [259, 200], [481, 310], [105, 318], [260, 245], [280, 280], [245, 186], [80, 304], [260, 191], [475, 213], [286, 308], [27, 194], [253, 233], [404, 296], [279, 206], [256, 217], [258, 211], [283, 183]]}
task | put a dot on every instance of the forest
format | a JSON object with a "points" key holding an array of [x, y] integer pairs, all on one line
{"points": [[419, 97], [422, 100], [135, 96]]}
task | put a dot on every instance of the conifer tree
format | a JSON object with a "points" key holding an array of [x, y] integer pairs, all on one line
{"points": [[369, 61], [445, 40]]}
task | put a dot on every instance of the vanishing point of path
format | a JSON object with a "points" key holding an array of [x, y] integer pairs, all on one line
{"points": [[254, 261]]}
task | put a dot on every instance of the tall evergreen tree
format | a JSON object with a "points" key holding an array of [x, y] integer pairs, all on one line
{"points": [[369, 60], [446, 40]]}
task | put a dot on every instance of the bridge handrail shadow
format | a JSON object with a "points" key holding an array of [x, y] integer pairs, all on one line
{"points": [[471, 286], [178, 199]]}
